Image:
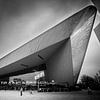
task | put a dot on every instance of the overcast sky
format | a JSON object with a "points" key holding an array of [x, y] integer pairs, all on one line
{"points": [[22, 20]]}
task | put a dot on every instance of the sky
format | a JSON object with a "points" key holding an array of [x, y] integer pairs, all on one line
{"points": [[23, 20]]}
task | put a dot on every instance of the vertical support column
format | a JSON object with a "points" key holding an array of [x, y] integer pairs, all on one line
{"points": [[59, 66]]}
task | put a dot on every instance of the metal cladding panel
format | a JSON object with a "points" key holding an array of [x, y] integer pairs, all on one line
{"points": [[79, 43], [61, 31], [50, 37], [30, 62], [59, 65], [97, 31]]}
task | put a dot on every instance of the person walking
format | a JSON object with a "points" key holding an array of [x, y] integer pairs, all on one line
{"points": [[21, 90], [89, 91]]}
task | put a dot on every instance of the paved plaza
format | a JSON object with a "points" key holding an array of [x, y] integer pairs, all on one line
{"points": [[81, 95]]}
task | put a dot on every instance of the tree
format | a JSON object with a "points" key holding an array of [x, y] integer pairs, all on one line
{"points": [[92, 82], [97, 77], [87, 81]]}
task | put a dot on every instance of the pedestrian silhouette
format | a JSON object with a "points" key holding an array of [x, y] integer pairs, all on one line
{"points": [[89, 91], [21, 90]]}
